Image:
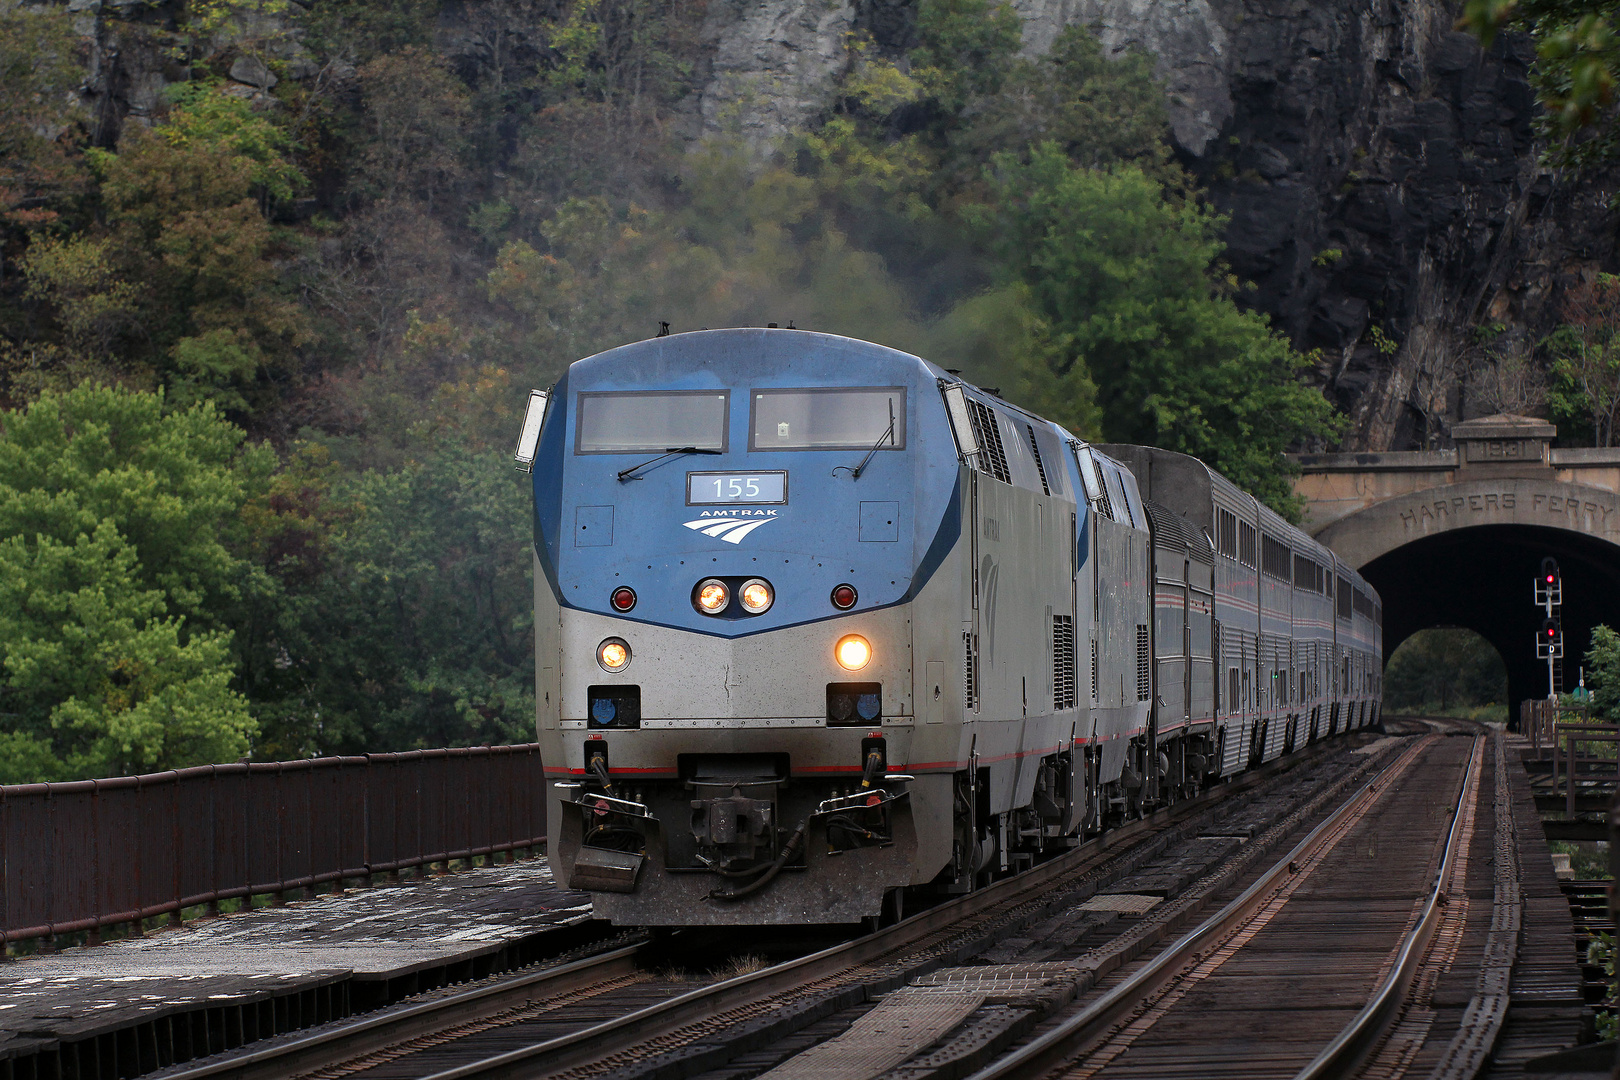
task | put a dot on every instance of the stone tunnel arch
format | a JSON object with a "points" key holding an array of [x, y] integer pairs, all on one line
{"points": [[1466, 554]]}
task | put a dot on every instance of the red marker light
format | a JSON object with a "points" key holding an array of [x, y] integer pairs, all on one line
{"points": [[624, 598], [844, 597]]}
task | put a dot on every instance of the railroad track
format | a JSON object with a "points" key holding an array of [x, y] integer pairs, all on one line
{"points": [[592, 1012], [1091, 1011], [614, 1013], [1153, 1023]]}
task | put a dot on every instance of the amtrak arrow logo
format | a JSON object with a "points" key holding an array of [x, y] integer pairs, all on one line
{"points": [[731, 530]]}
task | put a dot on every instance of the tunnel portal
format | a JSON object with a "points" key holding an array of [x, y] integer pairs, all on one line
{"points": [[1482, 579], [1455, 537]]}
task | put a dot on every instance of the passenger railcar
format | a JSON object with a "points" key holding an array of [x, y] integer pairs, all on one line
{"points": [[817, 622]]}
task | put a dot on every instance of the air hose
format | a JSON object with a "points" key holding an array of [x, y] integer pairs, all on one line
{"points": [[789, 849], [874, 766]]}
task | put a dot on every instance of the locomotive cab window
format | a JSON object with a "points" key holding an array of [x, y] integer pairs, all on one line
{"points": [[830, 418], [633, 422]]}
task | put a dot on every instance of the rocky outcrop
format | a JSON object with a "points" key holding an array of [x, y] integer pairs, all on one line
{"points": [[1379, 170], [1189, 38], [773, 64], [1381, 175]]}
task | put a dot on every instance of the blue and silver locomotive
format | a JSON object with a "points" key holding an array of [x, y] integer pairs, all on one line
{"points": [[817, 622]]}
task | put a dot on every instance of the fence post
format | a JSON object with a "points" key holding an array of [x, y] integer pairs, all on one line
{"points": [[1570, 746]]}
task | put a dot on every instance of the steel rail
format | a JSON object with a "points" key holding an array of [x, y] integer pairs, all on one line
{"points": [[591, 1044], [1486, 1014], [1361, 1036], [352, 1039], [1060, 1044]]}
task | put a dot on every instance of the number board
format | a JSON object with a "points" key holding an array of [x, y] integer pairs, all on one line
{"points": [[728, 488]]}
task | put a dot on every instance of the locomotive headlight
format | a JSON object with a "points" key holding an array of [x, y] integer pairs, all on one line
{"points": [[853, 652], [756, 596], [613, 654], [711, 597]]}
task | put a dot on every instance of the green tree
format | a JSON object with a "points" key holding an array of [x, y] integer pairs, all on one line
{"points": [[1441, 669], [965, 50], [1575, 71], [1584, 388], [1129, 283], [180, 288], [204, 115], [416, 127], [415, 628], [1603, 672], [1101, 111], [118, 583]]}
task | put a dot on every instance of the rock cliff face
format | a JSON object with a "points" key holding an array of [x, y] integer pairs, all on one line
{"points": [[1378, 168]]}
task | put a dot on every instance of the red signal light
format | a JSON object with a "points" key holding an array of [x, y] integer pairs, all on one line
{"points": [[843, 597], [624, 598]]}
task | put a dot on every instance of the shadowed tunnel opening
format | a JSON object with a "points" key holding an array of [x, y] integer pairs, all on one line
{"points": [[1483, 579]]}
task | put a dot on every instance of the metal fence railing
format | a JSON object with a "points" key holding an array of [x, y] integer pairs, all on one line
{"points": [[93, 853], [1584, 753]]}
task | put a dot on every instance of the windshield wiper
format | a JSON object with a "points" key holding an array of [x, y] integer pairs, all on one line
{"points": [[629, 474], [889, 435]]}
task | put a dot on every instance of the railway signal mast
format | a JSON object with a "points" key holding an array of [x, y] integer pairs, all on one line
{"points": [[1550, 638]]}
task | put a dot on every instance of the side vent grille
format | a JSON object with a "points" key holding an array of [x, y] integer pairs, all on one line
{"points": [[992, 453], [970, 670], [1063, 662], [1105, 505], [1040, 466], [1094, 672], [1144, 681]]}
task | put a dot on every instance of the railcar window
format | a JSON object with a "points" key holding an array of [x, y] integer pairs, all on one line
{"points": [[632, 422], [1306, 574], [833, 418], [1276, 559], [1226, 524], [1362, 604]]}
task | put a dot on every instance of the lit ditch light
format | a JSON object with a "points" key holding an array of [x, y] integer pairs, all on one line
{"points": [[529, 438], [853, 652], [756, 596], [711, 596], [613, 654]]}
